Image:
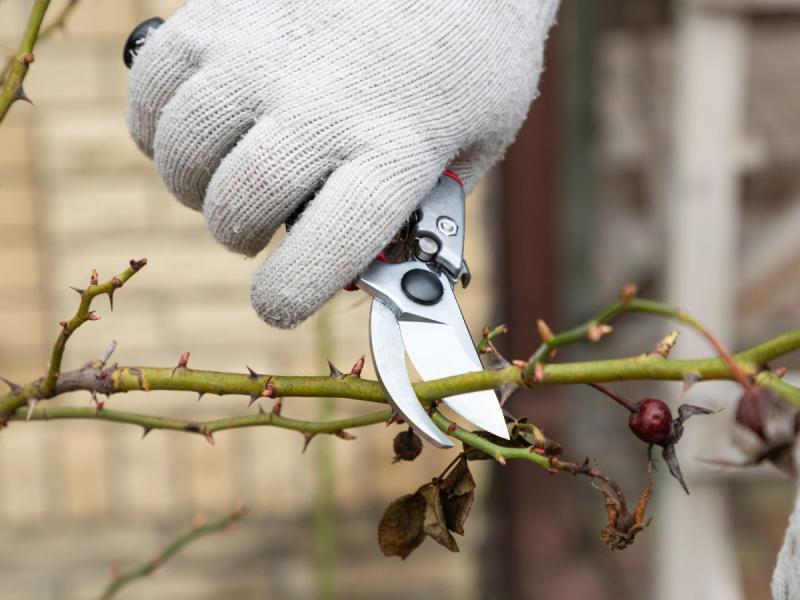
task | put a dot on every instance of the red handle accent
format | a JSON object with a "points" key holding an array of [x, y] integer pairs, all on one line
{"points": [[454, 177]]}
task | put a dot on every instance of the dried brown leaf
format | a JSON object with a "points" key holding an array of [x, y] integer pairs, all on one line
{"points": [[435, 524], [458, 495], [400, 531]]}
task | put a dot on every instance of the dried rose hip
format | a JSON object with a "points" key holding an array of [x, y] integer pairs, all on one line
{"points": [[407, 445], [651, 421]]}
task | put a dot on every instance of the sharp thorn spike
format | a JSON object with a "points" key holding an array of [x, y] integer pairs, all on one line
{"points": [[145, 432], [210, 438], [253, 399], [77, 289], [14, 387], [252, 374], [307, 440], [200, 396], [334, 372], [21, 95]]}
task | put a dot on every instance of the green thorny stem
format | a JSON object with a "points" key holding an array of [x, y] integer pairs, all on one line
{"points": [[13, 73], [97, 378], [123, 578]]}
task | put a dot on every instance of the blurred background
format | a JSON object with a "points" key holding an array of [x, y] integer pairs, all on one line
{"points": [[663, 150]]}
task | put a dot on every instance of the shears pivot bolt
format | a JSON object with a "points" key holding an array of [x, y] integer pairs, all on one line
{"points": [[422, 286]]}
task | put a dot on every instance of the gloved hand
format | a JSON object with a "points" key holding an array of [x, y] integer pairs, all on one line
{"points": [[786, 577], [251, 107]]}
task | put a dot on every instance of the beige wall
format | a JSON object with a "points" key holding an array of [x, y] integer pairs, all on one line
{"points": [[76, 195]]}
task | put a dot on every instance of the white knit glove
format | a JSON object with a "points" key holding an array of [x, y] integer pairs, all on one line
{"points": [[250, 107], [786, 577]]}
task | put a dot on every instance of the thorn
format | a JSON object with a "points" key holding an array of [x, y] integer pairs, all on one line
{"points": [[94, 277], [14, 387], [544, 331], [93, 316], [277, 407], [138, 264], [21, 95], [200, 396], [552, 471], [358, 367], [451, 428], [596, 331], [31, 406], [182, 362], [335, 373], [506, 391], [521, 364], [210, 438], [252, 374], [628, 292], [253, 399], [77, 289], [116, 282], [394, 419], [308, 437], [345, 435], [145, 432], [689, 379], [779, 372], [500, 458], [63, 324]]}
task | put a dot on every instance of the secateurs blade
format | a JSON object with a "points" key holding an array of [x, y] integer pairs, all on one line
{"points": [[415, 312]]}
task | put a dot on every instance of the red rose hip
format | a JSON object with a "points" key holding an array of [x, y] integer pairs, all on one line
{"points": [[652, 422]]}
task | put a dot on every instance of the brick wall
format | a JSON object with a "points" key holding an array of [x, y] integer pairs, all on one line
{"points": [[76, 497]]}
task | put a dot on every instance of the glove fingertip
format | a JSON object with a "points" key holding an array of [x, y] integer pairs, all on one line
{"points": [[275, 306]]}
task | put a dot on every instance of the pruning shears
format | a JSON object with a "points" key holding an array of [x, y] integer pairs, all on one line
{"points": [[414, 308], [415, 312]]}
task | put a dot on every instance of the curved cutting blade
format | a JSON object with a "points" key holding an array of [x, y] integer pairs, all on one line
{"points": [[388, 354], [445, 348]]}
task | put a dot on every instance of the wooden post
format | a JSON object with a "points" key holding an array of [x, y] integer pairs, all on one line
{"points": [[694, 551]]}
